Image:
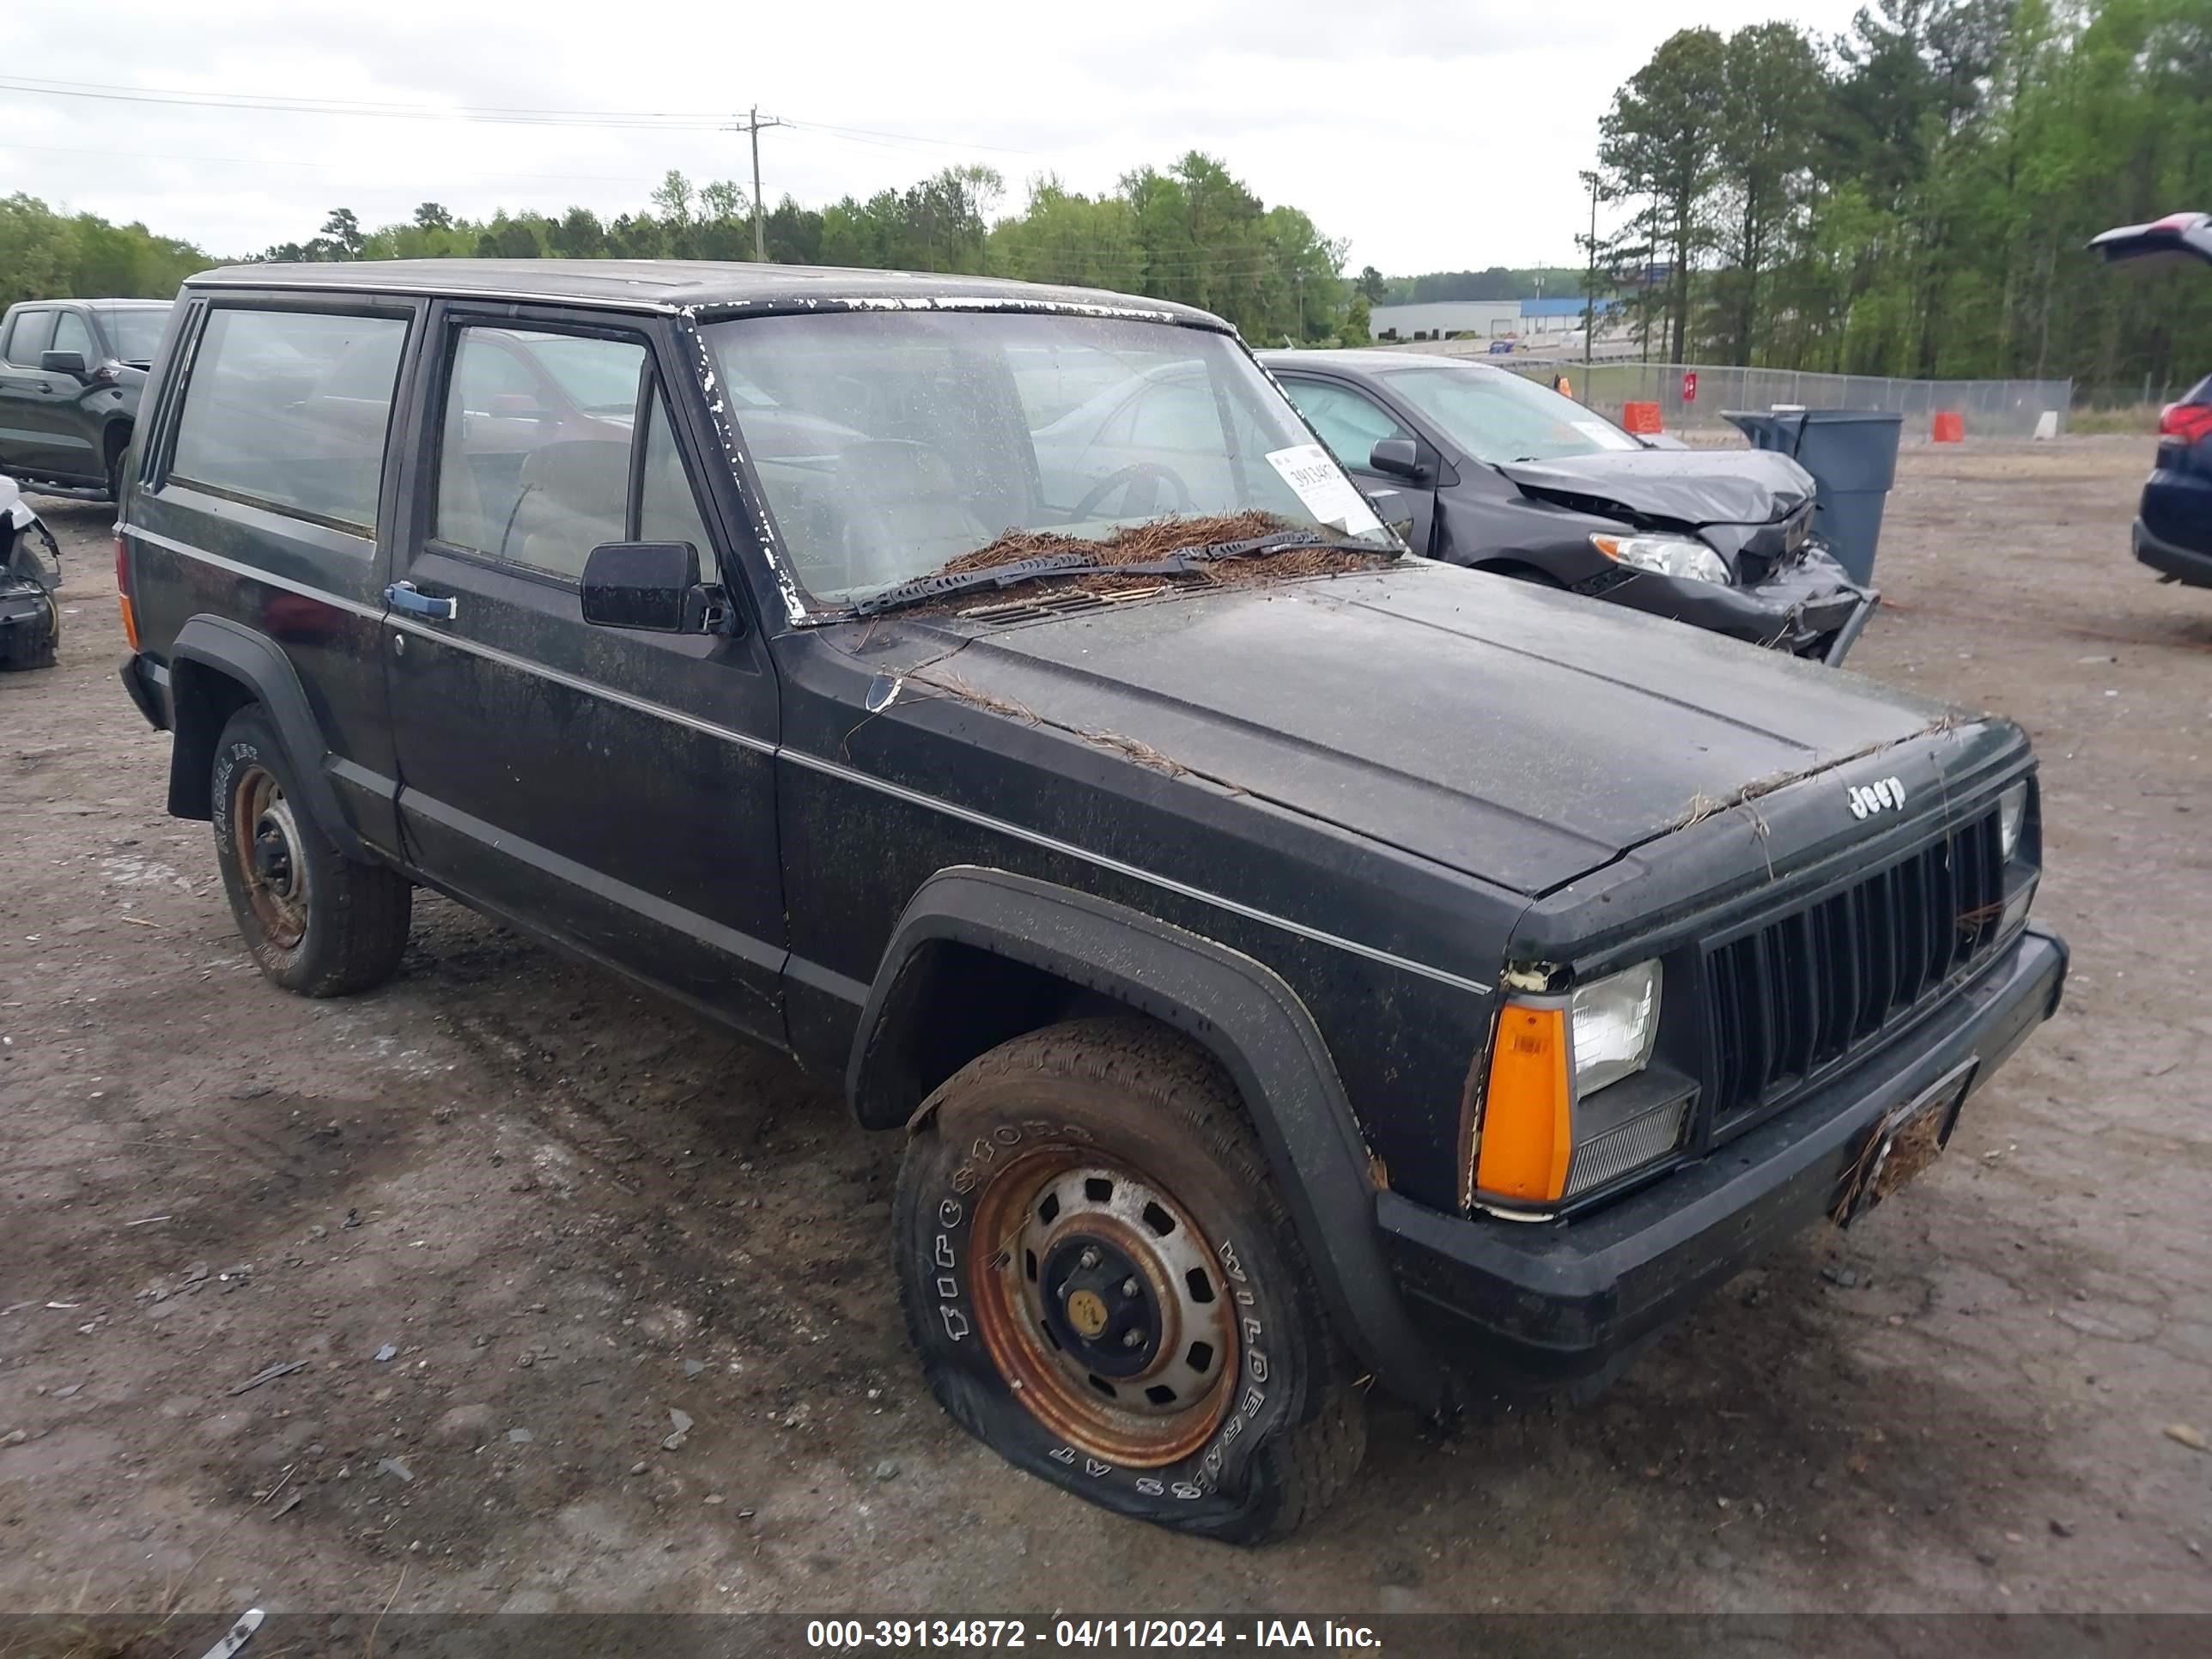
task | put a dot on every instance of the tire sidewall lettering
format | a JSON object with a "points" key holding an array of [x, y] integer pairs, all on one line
{"points": [[227, 764], [1256, 1408]]}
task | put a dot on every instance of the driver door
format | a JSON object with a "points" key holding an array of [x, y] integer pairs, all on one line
{"points": [[613, 790], [39, 424]]}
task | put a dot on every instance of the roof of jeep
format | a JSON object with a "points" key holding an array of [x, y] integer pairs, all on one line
{"points": [[677, 284]]}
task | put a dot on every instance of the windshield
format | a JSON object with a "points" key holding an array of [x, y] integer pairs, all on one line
{"points": [[890, 443], [1496, 416], [135, 331]]}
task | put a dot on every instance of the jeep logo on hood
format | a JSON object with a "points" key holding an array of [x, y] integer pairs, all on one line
{"points": [[1869, 798]]}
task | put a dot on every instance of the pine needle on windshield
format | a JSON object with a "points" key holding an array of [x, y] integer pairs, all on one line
{"points": [[1141, 543]]}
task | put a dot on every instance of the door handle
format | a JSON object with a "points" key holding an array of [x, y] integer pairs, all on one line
{"points": [[403, 596]]}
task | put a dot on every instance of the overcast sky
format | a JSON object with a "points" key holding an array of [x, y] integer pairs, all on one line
{"points": [[1431, 136]]}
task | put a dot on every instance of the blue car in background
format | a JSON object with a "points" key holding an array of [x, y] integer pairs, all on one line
{"points": [[2174, 527]]}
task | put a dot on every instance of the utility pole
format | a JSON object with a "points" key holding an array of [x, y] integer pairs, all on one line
{"points": [[752, 126], [1589, 281]]}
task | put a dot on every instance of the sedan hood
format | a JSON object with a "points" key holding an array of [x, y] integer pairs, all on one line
{"points": [[1513, 733], [1688, 487]]}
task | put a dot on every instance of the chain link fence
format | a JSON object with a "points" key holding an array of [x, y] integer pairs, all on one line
{"points": [[1991, 409]]}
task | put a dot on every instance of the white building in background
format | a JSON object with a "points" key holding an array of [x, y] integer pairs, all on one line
{"points": [[1485, 319]]}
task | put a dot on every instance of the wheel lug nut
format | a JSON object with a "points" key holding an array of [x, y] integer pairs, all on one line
{"points": [[1134, 1340], [1088, 1258], [1128, 1287]]}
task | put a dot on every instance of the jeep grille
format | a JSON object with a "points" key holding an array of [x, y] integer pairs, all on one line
{"points": [[1794, 995]]}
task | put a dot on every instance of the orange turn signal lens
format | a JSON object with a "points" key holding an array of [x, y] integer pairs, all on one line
{"points": [[130, 621], [1527, 1134]]}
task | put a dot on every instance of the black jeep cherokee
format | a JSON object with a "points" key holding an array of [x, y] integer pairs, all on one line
{"points": [[1289, 961]]}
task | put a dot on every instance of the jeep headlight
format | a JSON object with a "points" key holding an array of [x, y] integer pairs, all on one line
{"points": [[1666, 555], [1614, 1021], [2012, 817], [1565, 1110]]}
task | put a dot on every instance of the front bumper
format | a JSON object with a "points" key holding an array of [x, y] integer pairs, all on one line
{"points": [[1527, 1305], [2177, 564], [1808, 608]]}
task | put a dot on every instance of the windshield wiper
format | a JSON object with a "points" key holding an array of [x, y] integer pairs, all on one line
{"points": [[1181, 561]]}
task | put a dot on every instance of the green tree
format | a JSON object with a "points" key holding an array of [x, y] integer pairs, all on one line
{"points": [[673, 197], [1660, 141], [1772, 80], [45, 255], [342, 234]]}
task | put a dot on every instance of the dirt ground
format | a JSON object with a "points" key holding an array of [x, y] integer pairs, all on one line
{"points": [[566, 1213]]}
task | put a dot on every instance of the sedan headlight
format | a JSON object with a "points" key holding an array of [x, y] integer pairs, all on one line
{"points": [[1666, 555], [1615, 1021], [2012, 817]]}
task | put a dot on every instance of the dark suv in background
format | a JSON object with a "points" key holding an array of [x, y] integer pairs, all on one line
{"points": [[70, 374], [2173, 524], [1285, 962]]}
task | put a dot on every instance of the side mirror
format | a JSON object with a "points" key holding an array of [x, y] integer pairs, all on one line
{"points": [[1400, 458], [63, 362], [653, 587]]}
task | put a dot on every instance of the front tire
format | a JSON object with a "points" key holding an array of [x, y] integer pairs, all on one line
{"points": [[316, 921], [1104, 1288]]}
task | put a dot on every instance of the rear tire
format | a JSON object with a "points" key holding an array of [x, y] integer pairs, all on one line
{"points": [[1104, 1288], [117, 450], [316, 921]]}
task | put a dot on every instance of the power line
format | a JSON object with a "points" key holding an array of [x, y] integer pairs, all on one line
{"points": [[901, 137], [493, 115], [704, 120], [271, 161]]}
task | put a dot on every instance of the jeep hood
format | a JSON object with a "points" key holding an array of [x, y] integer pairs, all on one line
{"points": [[1517, 734], [1681, 486]]}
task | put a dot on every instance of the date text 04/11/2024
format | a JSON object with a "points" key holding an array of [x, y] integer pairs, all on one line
{"points": [[859, 1635]]}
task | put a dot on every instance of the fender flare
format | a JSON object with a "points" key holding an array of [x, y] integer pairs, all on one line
{"points": [[1244, 1014], [208, 644]]}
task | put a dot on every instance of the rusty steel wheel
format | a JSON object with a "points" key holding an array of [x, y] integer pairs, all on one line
{"points": [[1103, 1286], [270, 855], [1103, 1306], [316, 921]]}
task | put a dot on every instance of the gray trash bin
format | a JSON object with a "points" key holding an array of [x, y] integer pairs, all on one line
{"points": [[1852, 456]]}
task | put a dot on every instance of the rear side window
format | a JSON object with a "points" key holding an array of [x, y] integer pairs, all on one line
{"points": [[290, 408]]}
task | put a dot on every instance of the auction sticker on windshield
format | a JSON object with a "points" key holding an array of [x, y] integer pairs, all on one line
{"points": [[1330, 496]]}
